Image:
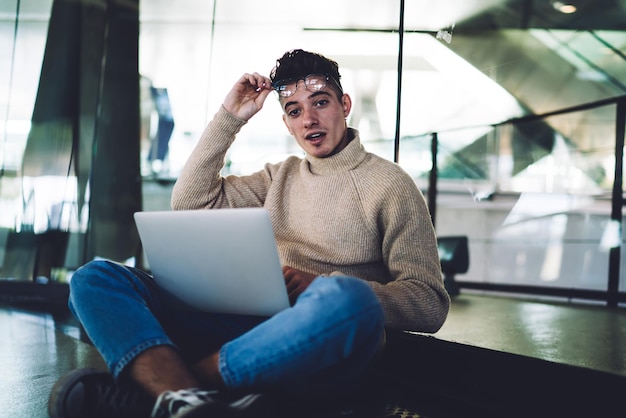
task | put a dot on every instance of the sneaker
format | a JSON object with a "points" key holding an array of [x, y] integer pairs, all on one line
{"points": [[92, 393], [191, 403]]}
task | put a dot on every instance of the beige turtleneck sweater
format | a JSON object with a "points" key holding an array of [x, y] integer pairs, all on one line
{"points": [[352, 213]]}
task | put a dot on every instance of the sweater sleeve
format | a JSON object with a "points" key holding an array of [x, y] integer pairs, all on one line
{"points": [[415, 299], [201, 185]]}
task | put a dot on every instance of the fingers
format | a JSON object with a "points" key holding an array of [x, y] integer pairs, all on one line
{"points": [[291, 278], [296, 281], [295, 286], [247, 96], [294, 294], [257, 81], [292, 283]]}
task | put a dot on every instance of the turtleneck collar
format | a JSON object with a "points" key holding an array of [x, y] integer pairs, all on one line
{"points": [[346, 159]]}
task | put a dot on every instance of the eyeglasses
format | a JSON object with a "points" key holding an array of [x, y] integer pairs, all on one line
{"points": [[312, 82]]}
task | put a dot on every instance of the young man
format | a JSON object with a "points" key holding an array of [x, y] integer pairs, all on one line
{"points": [[354, 236]]}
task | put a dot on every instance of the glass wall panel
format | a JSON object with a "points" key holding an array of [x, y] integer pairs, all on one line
{"points": [[175, 46], [439, 88], [23, 30], [538, 202], [462, 87], [238, 48], [22, 43], [534, 197], [596, 55]]}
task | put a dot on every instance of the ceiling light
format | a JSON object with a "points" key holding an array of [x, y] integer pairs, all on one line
{"points": [[563, 7]]}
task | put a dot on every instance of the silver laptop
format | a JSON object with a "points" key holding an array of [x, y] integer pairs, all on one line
{"points": [[219, 260]]}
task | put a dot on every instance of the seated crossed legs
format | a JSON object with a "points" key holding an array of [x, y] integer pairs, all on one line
{"points": [[337, 209], [167, 359]]}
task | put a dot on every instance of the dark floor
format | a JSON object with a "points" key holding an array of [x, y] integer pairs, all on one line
{"points": [[590, 336], [495, 356]]}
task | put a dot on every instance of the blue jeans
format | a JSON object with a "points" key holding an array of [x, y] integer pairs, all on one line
{"points": [[324, 343]]}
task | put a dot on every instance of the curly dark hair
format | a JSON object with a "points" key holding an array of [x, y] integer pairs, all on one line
{"points": [[298, 63]]}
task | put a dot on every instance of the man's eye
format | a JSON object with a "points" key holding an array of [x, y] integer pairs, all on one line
{"points": [[322, 102], [294, 112]]}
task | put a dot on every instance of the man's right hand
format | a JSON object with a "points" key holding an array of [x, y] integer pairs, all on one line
{"points": [[247, 96], [296, 281]]}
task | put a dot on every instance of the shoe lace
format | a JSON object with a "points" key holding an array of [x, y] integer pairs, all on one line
{"points": [[170, 403]]}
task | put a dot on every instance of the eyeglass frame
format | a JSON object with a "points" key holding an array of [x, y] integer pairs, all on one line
{"points": [[285, 81]]}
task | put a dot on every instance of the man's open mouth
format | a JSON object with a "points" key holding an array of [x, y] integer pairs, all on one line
{"points": [[315, 137]]}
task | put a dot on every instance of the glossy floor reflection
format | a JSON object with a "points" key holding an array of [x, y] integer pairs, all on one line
{"points": [[590, 336], [35, 350], [37, 347]]}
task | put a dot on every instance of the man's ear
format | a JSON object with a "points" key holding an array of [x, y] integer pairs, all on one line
{"points": [[287, 125], [347, 104]]}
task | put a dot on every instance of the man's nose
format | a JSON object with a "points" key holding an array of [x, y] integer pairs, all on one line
{"points": [[310, 118]]}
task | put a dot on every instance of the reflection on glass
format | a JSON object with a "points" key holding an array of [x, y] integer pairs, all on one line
{"points": [[532, 196]]}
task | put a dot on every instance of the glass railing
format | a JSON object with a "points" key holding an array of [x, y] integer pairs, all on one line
{"points": [[536, 198]]}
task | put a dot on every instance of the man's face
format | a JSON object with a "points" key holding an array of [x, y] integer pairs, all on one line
{"points": [[317, 119]]}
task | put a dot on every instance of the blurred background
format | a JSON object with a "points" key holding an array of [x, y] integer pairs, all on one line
{"points": [[511, 122]]}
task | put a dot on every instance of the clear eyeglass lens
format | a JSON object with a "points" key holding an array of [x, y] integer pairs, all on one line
{"points": [[315, 83], [286, 90], [312, 83]]}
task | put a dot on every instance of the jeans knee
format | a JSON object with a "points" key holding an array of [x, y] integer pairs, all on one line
{"points": [[97, 279], [355, 298], [81, 278], [87, 275]]}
